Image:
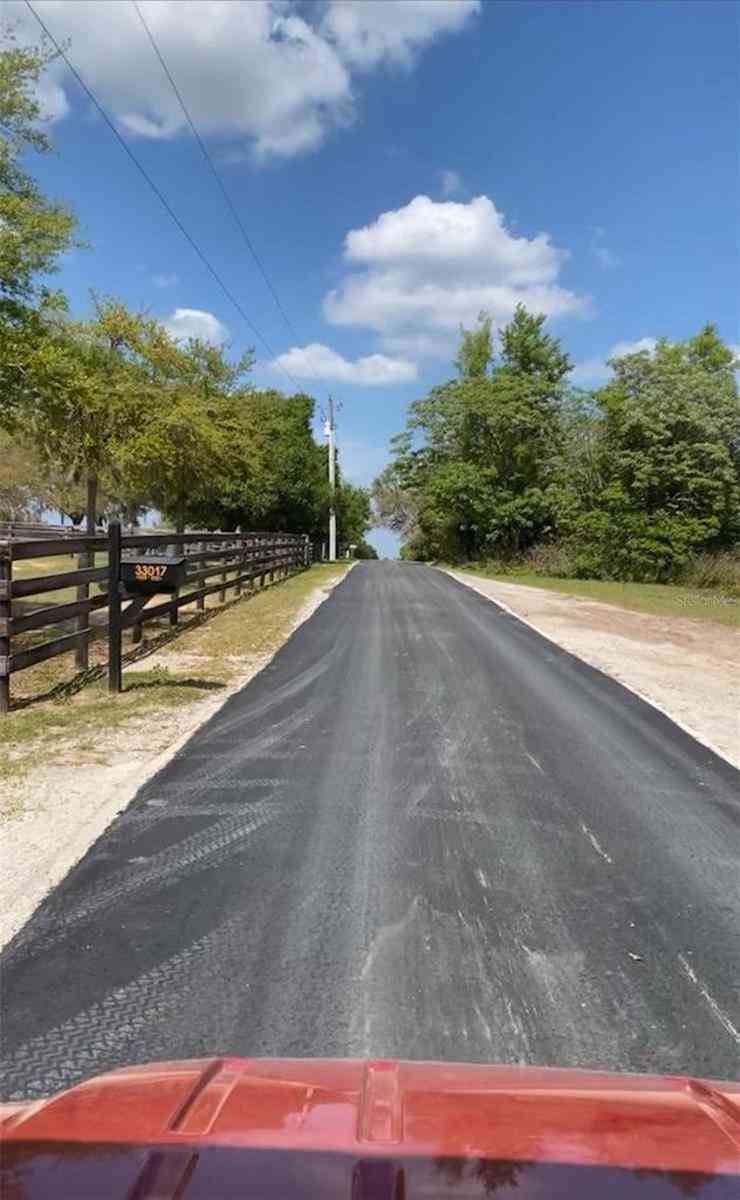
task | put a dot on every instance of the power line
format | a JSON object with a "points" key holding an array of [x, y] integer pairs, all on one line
{"points": [[162, 199], [216, 174]]}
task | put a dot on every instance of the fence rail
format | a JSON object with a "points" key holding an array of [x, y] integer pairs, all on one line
{"points": [[37, 529], [234, 560]]}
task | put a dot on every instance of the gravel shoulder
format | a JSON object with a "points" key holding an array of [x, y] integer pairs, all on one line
{"points": [[53, 813], [688, 669]]}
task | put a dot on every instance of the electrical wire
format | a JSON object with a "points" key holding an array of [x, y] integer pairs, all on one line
{"points": [[217, 175], [162, 199]]}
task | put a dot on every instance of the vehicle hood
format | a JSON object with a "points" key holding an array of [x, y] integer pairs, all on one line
{"points": [[306, 1127]]}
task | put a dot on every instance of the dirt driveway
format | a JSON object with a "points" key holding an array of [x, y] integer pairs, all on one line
{"points": [[689, 669]]}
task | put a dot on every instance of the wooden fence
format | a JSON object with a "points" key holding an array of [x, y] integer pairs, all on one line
{"points": [[235, 559], [36, 529]]}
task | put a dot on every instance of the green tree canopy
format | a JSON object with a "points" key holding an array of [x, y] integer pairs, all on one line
{"points": [[34, 231], [479, 454], [631, 480]]}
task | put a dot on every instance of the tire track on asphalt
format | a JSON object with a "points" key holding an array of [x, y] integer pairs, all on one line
{"points": [[202, 850]]}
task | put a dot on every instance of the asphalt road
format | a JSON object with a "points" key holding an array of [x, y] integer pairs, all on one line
{"points": [[423, 831]]}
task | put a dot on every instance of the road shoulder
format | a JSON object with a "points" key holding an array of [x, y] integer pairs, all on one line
{"points": [[686, 669], [51, 814]]}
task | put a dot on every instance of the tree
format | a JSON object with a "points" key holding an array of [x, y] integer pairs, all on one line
{"points": [[18, 480], [476, 349], [187, 439], [175, 456], [527, 349], [34, 231], [670, 460], [479, 457], [86, 393], [275, 474], [353, 513], [395, 504], [29, 487]]}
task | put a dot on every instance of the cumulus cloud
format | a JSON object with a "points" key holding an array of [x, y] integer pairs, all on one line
{"points": [[367, 32], [428, 267], [317, 361], [186, 323], [52, 98], [275, 74], [620, 349], [596, 370]]}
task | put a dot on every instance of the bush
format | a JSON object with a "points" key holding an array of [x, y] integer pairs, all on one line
{"points": [[647, 556], [559, 559], [720, 570]]}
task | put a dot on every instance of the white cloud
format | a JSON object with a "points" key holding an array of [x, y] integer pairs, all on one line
{"points": [[367, 32], [186, 323], [450, 182], [589, 372], [734, 347], [432, 265], [418, 345], [275, 74], [596, 370], [644, 343], [320, 362], [165, 281], [601, 252], [52, 98]]}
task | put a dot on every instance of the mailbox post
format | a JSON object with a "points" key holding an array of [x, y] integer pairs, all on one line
{"points": [[139, 579], [115, 672]]}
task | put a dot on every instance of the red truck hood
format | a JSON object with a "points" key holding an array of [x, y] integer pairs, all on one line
{"points": [[221, 1128]]}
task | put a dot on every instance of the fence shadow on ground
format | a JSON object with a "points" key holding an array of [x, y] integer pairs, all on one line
{"points": [[144, 649], [174, 681]]}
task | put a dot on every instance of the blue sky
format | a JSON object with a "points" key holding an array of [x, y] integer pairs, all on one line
{"points": [[400, 166]]}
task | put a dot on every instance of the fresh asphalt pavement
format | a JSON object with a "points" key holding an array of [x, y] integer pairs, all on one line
{"points": [[423, 831]]}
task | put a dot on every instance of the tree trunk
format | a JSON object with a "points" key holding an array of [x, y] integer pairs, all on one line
{"points": [[92, 504]]}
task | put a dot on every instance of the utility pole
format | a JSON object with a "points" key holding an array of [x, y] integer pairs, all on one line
{"points": [[330, 431]]}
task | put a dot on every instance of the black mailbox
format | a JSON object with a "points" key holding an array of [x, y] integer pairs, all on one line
{"points": [[153, 574]]}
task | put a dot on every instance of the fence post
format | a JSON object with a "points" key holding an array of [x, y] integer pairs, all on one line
{"points": [[115, 682], [6, 612], [240, 563], [200, 603]]}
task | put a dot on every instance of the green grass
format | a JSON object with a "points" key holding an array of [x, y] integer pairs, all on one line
{"points": [[702, 604], [28, 568], [260, 625]]}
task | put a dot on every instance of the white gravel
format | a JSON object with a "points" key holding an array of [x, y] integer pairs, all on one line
{"points": [[689, 669]]}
